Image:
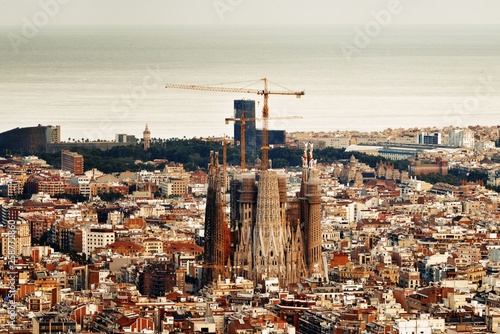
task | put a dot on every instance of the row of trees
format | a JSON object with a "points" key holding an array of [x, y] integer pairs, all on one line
{"points": [[435, 178], [195, 154], [455, 176], [192, 153]]}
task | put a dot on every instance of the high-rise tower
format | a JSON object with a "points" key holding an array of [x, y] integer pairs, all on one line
{"points": [[246, 109], [146, 137], [72, 161]]}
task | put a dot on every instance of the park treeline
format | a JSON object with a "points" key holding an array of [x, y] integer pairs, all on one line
{"points": [[456, 175], [195, 154]]}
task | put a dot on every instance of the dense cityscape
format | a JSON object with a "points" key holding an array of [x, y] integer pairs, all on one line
{"points": [[346, 232]]}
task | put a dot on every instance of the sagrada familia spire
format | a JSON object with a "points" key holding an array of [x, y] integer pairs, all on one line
{"points": [[273, 236], [276, 236], [310, 197], [270, 226], [217, 234]]}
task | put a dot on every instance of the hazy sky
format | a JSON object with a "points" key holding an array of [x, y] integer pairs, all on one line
{"points": [[101, 12]]}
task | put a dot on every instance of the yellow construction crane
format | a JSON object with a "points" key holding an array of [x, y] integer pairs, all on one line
{"points": [[243, 121], [265, 110]]}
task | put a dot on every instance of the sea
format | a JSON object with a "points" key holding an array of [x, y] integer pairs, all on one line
{"points": [[97, 81]]}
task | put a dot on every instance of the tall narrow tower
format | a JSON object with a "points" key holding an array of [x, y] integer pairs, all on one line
{"points": [[246, 109], [217, 241], [146, 137], [245, 208], [311, 199], [210, 218], [269, 231]]}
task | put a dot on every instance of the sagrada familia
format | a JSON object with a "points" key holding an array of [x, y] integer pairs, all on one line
{"points": [[269, 236]]}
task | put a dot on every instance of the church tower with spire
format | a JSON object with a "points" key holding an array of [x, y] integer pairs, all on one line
{"points": [[275, 237], [269, 230], [146, 138], [311, 213]]}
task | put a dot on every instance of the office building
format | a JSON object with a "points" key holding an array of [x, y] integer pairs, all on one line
{"points": [[124, 138], [21, 238], [53, 323], [72, 161], [246, 109], [30, 140], [429, 138], [461, 138]]}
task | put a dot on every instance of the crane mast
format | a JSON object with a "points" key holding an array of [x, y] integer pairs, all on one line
{"points": [[265, 110], [243, 121], [265, 134]]}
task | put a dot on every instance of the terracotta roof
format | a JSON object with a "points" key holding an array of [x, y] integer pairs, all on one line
{"points": [[243, 324], [183, 247], [124, 244], [125, 321], [176, 295]]}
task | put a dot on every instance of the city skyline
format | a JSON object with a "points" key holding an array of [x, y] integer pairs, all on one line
{"points": [[385, 61]]}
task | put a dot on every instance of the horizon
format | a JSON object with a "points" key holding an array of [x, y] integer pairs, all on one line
{"points": [[231, 12], [253, 25]]}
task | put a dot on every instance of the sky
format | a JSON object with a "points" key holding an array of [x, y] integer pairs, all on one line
{"points": [[230, 12]]}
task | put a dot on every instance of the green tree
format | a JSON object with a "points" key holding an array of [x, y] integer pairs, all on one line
{"points": [[280, 163], [110, 196], [435, 178]]}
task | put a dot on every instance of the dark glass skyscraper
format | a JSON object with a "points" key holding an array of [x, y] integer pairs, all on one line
{"points": [[246, 109]]}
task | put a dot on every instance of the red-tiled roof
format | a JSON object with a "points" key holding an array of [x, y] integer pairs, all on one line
{"points": [[125, 321], [124, 245], [183, 247]]}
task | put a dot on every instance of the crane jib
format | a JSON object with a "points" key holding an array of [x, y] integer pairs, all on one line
{"points": [[265, 110], [235, 90]]}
